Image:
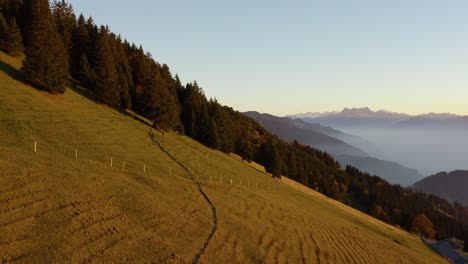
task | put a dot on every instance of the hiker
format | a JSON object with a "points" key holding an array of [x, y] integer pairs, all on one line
{"points": [[151, 134]]}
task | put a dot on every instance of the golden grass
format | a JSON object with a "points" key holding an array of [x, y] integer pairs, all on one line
{"points": [[55, 209]]}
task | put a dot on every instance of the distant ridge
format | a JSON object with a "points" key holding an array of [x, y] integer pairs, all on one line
{"points": [[366, 112], [309, 134], [452, 186], [365, 117], [355, 112], [440, 121], [311, 114]]}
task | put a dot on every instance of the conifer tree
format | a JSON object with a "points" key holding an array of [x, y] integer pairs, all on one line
{"points": [[93, 34], [199, 103], [244, 146], [25, 17], [124, 73], [86, 74], [106, 86], [190, 124], [140, 72], [10, 8], [157, 101], [176, 88], [172, 85], [65, 21], [80, 48], [15, 41], [4, 33], [46, 63], [213, 140], [191, 99], [271, 155], [292, 163]]}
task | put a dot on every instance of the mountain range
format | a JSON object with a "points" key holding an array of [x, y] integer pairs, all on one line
{"points": [[334, 142], [367, 112], [358, 117]]}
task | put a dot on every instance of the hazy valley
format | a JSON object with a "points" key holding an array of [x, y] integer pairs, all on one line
{"points": [[430, 143]]}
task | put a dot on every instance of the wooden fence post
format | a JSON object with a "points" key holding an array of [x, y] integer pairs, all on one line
{"points": [[35, 146], [123, 166]]}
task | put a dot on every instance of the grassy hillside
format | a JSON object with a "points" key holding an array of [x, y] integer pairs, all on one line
{"points": [[56, 208]]}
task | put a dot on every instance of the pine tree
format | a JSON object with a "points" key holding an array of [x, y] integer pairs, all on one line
{"points": [[271, 157], [159, 102], [26, 16], [106, 86], [140, 72], [65, 20], [80, 47], [244, 147], [124, 73], [190, 126], [194, 114], [178, 88], [10, 8], [86, 74], [93, 34], [46, 63], [174, 108], [213, 140], [200, 105], [4, 33], [292, 163], [15, 45], [275, 163]]}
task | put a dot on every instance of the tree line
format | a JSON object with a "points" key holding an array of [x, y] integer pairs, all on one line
{"points": [[60, 47], [11, 40]]}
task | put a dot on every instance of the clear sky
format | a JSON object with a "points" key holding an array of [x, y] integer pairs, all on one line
{"points": [[286, 57]]}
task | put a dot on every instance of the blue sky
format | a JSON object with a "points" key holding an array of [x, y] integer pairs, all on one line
{"points": [[285, 57]]}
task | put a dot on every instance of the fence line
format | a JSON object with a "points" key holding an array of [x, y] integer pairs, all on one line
{"points": [[128, 167]]}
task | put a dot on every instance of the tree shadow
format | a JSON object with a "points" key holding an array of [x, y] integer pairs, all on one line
{"points": [[74, 85], [11, 71], [90, 95]]}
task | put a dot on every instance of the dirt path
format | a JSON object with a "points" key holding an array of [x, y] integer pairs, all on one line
{"points": [[213, 208]]}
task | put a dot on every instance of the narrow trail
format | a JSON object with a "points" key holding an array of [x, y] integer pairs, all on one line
{"points": [[213, 208]]}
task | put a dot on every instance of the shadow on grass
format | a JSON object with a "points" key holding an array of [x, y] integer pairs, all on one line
{"points": [[74, 85], [90, 95], [11, 71]]}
